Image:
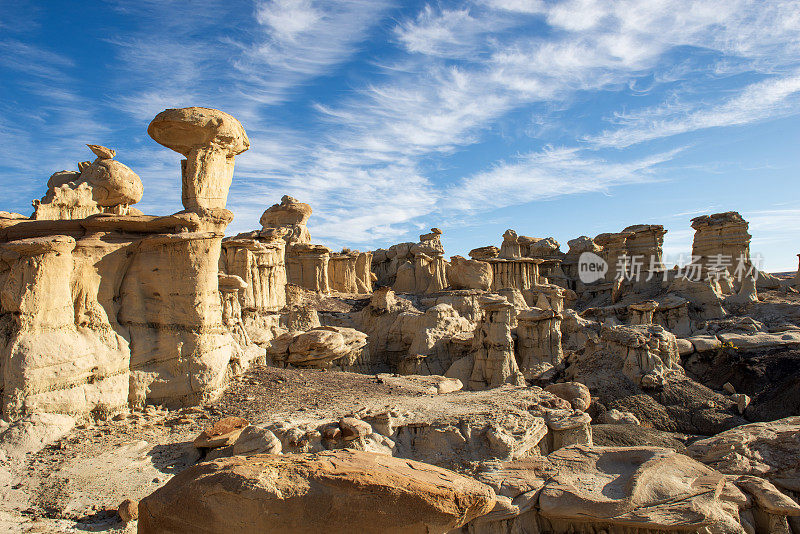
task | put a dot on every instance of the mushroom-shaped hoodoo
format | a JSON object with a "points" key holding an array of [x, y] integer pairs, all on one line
{"points": [[210, 139]]}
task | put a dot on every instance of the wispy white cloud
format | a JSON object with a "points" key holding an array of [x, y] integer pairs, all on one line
{"points": [[452, 33], [773, 97], [545, 175], [300, 40]]}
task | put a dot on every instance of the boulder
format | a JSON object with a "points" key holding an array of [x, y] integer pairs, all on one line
{"points": [[469, 274], [128, 510], [290, 214], [319, 347], [341, 491], [616, 417], [256, 440], [352, 428], [221, 434]]}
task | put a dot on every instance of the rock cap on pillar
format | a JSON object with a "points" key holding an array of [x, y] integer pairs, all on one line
{"points": [[185, 129], [209, 139]]}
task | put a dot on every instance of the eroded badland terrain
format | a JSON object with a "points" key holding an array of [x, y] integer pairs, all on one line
{"points": [[158, 376]]}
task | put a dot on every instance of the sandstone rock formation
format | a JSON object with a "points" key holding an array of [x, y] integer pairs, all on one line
{"points": [[647, 353], [112, 310], [493, 360], [210, 140], [258, 259], [101, 186], [291, 215], [307, 266], [413, 267], [760, 449], [720, 234], [349, 271], [337, 491], [320, 347], [470, 274], [539, 341], [583, 489], [318, 396]]}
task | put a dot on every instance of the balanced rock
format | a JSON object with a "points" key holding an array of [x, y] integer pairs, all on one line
{"points": [[209, 139], [573, 392]]}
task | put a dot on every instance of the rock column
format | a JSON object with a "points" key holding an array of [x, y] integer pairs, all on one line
{"points": [[539, 341], [494, 363]]}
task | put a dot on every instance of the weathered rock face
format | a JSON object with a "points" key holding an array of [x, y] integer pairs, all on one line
{"points": [[645, 354], [469, 274], [172, 309], [413, 267], [635, 252], [510, 248], [349, 272], [52, 353], [140, 295], [539, 341], [720, 234], [648, 352], [766, 450], [617, 489], [545, 248], [520, 246], [409, 341], [210, 140], [520, 273], [291, 215], [646, 241], [673, 314], [102, 186], [493, 361], [612, 250], [432, 337], [307, 266], [577, 247], [705, 295], [245, 352], [336, 491], [259, 261], [763, 456]]}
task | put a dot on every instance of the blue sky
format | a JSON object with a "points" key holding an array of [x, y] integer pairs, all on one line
{"points": [[553, 118]]}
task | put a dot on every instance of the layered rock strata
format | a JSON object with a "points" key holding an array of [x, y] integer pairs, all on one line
{"points": [[114, 310]]}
